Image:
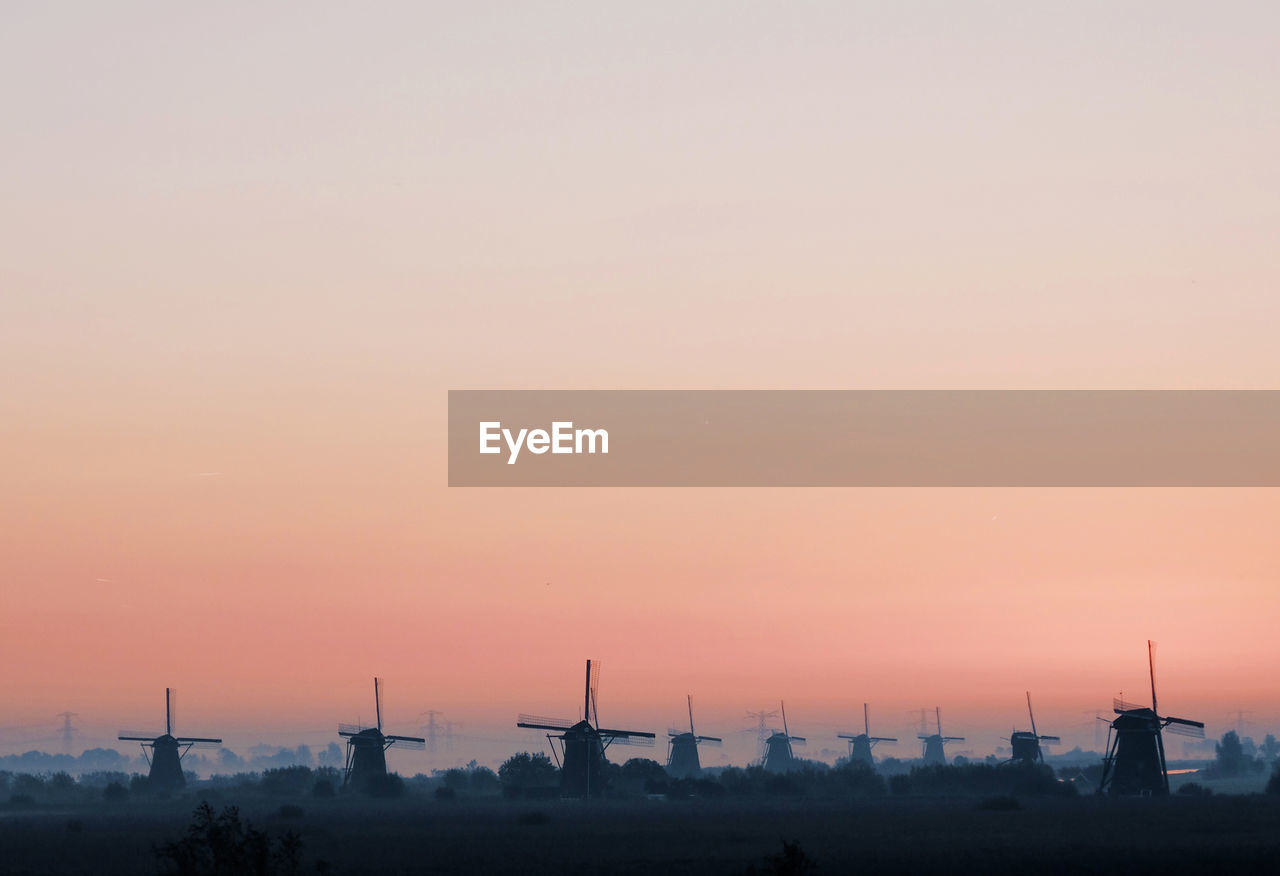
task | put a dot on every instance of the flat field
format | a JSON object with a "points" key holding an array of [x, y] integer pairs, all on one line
{"points": [[1179, 834]]}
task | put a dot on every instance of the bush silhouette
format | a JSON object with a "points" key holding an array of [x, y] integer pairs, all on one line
{"points": [[290, 781], [524, 770], [222, 843], [792, 860], [386, 786]]}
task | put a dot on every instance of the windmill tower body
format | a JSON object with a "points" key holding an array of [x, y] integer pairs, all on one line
{"points": [[166, 764], [581, 757], [683, 761], [934, 752], [778, 757], [1026, 747], [1134, 764], [584, 771], [366, 757], [165, 752], [1136, 755], [367, 747], [860, 751]]}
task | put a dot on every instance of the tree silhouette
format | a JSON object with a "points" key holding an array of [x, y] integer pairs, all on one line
{"points": [[1230, 755], [525, 770]]}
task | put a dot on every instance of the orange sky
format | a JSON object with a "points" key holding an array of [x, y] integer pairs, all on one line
{"points": [[244, 264]]}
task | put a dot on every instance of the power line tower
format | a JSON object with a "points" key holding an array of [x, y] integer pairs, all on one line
{"points": [[762, 731], [1239, 716], [67, 730], [1098, 723], [431, 729]]}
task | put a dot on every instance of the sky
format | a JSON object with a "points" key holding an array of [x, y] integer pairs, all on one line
{"points": [[249, 250]]}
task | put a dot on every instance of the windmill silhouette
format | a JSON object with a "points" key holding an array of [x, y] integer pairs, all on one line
{"points": [[860, 745], [935, 743], [582, 745], [164, 751], [682, 758], [1026, 746], [778, 755], [367, 746], [1134, 764]]}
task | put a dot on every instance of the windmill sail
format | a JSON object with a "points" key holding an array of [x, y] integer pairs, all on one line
{"points": [[1135, 764], [366, 762], [682, 757], [164, 751], [860, 744], [582, 743]]}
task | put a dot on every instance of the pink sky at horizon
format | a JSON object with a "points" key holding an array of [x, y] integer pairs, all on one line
{"points": [[248, 255]]}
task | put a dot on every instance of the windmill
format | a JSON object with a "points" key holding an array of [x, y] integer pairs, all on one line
{"points": [[934, 744], [1026, 746], [682, 758], [860, 745], [367, 746], [164, 751], [1134, 764], [778, 756], [582, 745]]}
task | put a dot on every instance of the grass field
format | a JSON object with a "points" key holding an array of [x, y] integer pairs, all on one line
{"points": [[891, 835]]}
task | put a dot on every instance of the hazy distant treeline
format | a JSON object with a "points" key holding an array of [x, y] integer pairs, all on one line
{"points": [[535, 776], [224, 760]]}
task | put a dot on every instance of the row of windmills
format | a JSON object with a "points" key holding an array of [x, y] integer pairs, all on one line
{"points": [[366, 757], [1134, 762]]}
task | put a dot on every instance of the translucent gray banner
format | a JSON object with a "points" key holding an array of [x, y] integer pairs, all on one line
{"points": [[856, 438]]}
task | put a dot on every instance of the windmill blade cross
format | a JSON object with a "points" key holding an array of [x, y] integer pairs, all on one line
{"points": [[540, 722], [1123, 706], [627, 737], [1185, 727], [627, 734]]}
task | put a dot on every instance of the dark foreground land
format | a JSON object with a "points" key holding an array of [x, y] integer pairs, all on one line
{"points": [[1237, 834]]}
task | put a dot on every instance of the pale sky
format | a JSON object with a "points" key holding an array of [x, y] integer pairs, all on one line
{"points": [[248, 250]]}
